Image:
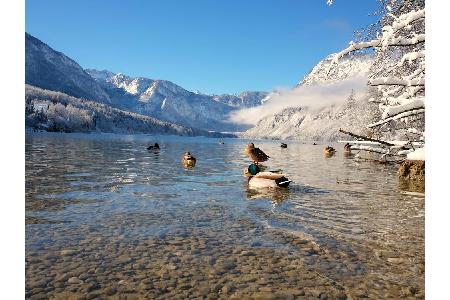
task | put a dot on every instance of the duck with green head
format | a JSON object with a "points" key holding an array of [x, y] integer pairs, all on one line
{"points": [[273, 179]]}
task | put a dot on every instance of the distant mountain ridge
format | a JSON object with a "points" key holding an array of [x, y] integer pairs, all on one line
{"points": [[160, 99], [166, 100]]}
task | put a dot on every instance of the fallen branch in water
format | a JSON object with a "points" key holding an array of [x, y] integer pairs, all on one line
{"points": [[366, 138]]}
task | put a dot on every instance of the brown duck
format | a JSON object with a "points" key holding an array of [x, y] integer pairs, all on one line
{"points": [[256, 154], [188, 160], [329, 151], [347, 148]]}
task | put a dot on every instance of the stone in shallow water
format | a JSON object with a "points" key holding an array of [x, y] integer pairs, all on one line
{"points": [[110, 291], [74, 280], [247, 253], [256, 244], [396, 260], [92, 287], [68, 252], [63, 277], [264, 296]]}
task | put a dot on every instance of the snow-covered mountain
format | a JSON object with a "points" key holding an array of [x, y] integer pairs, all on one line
{"points": [[52, 70], [295, 122], [244, 99], [346, 68], [161, 99], [56, 111], [165, 100]]}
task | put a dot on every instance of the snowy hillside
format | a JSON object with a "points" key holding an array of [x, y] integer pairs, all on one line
{"points": [[321, 123], [165, 100], [56, 111], [244, 99], [321, 73], [49, 69]]}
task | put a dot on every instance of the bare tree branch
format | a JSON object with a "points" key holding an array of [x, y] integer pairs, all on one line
{"points": [[365, 138], [403, 114]]}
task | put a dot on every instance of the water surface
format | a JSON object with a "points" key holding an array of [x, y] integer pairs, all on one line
{"points": [[106, 217]]}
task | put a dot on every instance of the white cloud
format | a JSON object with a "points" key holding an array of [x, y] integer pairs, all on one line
{"points": [[313, 97]]}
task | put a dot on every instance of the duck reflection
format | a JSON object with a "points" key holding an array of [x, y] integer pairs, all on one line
{"points": [[411, 185], [277, 196]]}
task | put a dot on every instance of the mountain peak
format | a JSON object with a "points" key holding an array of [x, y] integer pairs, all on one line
{"points": [[52, 70]]}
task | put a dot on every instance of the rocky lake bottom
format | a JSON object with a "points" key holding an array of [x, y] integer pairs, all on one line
{"points": [[106, 218]]}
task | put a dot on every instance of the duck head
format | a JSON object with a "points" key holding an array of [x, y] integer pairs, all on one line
{"points": [[187, 156], [253, 169]]}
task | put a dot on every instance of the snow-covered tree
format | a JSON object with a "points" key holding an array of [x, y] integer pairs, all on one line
{"points": [[398, 74]]}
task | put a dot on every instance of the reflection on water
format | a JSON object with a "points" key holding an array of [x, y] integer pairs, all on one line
{"points": [[105, 216], [275, 195]]}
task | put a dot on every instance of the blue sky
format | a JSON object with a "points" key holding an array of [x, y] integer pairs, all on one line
{"points": [[214, 46]]}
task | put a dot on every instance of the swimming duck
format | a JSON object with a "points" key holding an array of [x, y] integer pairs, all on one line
{"points": [[260, 179], [256, 154], [154, 147], [283, 145], [347, 149], [221, 142], [188, 160], [329, 151]]}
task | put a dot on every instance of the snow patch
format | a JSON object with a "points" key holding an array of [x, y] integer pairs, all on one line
{"points": [[418, 154]]}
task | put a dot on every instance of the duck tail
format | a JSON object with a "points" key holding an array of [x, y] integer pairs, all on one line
{"points": [[282, 182]]}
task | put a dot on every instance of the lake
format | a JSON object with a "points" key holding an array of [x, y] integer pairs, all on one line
{"points": [[105, 217]]}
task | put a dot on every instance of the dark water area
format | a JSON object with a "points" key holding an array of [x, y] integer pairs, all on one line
{"points": [[105, 217]]}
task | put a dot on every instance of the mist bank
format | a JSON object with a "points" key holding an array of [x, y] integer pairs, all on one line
{"points": [[324, 101], [310, 98]]}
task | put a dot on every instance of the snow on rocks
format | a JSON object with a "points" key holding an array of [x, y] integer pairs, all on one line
{"points": [[418, 154]]}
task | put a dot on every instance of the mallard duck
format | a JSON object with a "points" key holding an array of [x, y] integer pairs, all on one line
{"points": [[154, 147], [283, 145], [329, 151], [256, 154], [188, 160], [260, 179], [347, 149]]}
